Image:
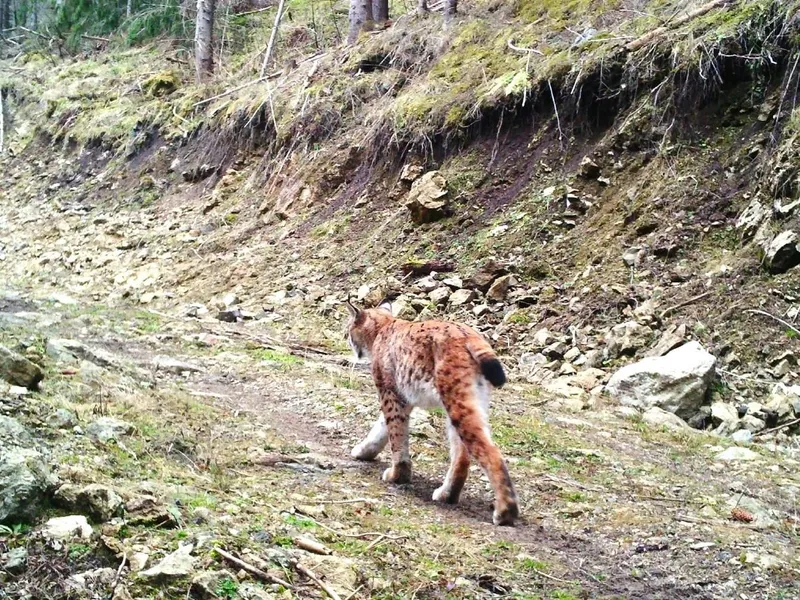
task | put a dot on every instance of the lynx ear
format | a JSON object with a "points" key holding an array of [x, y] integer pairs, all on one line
{"points": [[354, 312]]}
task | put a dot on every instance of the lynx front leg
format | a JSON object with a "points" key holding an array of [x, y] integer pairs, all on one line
{"points": [[396, 413], [375, 441]]}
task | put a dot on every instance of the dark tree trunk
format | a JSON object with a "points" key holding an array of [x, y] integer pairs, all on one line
{"points": [[380, 10], [450, 7], [204, 39], [5, 15]]}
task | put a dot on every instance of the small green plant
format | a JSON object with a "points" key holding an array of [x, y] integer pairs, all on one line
{"points": [[299, 522], [227, 588], [77, 551], [531, 564]]}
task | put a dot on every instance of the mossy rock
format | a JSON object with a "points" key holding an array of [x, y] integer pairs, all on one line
{"points": [[161, 84]]}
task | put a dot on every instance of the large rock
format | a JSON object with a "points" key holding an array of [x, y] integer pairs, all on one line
{"points": [[660, 417], [427, 200], [106, 429], [99, 502], [462, 296], [178, 564], [18, 370], [751, 218], [63, 528], [782, 253], [676, 382], [66, 350], [25, 479], [483, 278], [626, 338], [499, 289], [781, 401]]}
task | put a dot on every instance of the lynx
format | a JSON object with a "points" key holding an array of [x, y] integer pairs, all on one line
{"points": [[432, 364]]}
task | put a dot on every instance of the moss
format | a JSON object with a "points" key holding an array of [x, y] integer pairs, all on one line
{"points": [[161, 84]]}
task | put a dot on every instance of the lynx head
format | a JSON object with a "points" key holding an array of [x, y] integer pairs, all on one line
{"points": [[363, 326]]}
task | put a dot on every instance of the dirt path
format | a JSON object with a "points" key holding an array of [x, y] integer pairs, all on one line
{"points": [[612, 508]]}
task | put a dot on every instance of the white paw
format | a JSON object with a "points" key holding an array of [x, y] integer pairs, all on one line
{"points": [[387, 474], [363, 452], [440, 494]]}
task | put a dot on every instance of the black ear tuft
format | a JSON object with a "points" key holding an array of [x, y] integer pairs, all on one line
{"points": [[354, 312]]}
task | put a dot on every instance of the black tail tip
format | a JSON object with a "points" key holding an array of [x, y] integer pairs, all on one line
{"points": [[493, 372]]}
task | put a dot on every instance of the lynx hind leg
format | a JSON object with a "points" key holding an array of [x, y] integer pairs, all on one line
{"points": [[450, 490], [374, 443], [397, 413], [467, 409]]}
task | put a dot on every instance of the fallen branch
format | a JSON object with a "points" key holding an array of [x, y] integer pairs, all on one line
{"points": [[309, 545], [672, 309], [659, 31], [251, 569], [237, 88], [2, 122], [778, 428], [521, 49], [272, 37], [320, 584], [771, 316], [95, 38]]}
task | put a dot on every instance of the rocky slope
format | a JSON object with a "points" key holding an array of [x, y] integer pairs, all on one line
{"points": [[620, 221]]}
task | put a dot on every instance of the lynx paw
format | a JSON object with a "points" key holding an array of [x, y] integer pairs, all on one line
{"points": [[365, 451], [506, 516], [400, 473], [444, 494]]}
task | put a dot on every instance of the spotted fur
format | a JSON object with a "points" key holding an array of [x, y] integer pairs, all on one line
{"points": [[432, 364]]}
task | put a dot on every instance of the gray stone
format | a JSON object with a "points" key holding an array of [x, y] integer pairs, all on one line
{"points": [[402, 309], [676, 382], [462, 296], [660, 417], [174, 366], [723, 413], [782, 253], [204, 585], [106, 429], [62, 419], [178, 564], [670, 339], [439, 295], [763, 515], [427, 200], [63, 528], [735, 454], [743, 436], [626, 338], [499, 289], [99, 502], [556, 350], [781, 400], [16, 561], [752, 424], [751, 218], [588, 169], [64, 349], [18, 370], [543, 338], [25, 478]]}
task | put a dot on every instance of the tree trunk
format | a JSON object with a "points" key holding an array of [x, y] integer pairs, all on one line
{"points": [[272, 37], [369, 18], [380, 10], [5, 15], [422, 6], [450, 7], [128, 9], [204, 39], [357, 18]]}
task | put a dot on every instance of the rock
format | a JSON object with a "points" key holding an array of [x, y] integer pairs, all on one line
{"points": [[555, 351], [724, 414], [767, 562], [18, 370], [763, 515], [439, 296], [99, 502], [462, 296], [752, 217], [402, 309], [782, 253], [701, 418], [426, 284], [571, 354], [174, 366], [178, 564], [676, 382], [204, 585], [567, 369], [25, 479], [106, 429], [781, 401], [499, 289], [410, 172], [64, 350], [633, 256], [339, 573], [147, 511], [660, 417], [480, 310], [427, 199], [626, 338], [231, 315], [63, 528], [62, 419], [735, 453], [743, 436], [16, 561], [543, 338], [670, 339], [589, 169], [483, 278], [454, 282], [752, 424], [589, 378], [138, 561]]}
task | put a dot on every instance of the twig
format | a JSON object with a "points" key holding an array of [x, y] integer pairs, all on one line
{"points": [[251, 569], [310, 545], [352, 501], [95, 38], [374, 543], [119, 573], [555, 108], [573, 483], [320, 584], [521, 49], [755, 311], [237, 88], [2, 122], [272, 36], [778, 428], [659, 31], [746, 377], [672, 309]]}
